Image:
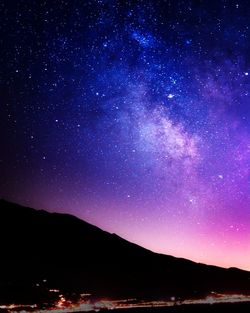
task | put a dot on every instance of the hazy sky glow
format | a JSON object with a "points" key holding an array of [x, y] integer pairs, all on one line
{"points": [[135, 116]]}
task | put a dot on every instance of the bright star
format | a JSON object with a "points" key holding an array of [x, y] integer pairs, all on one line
{"points": [[170, 96]]}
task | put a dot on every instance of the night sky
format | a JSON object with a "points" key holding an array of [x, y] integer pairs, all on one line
{"points": [[134, 116]]}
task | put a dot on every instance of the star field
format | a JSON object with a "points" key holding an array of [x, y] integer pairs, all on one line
{"points": [[132, 115]]}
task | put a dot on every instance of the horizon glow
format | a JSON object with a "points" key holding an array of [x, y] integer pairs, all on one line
{"points": [[134, 116]]}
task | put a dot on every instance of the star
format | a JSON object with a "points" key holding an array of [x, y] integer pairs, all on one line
{"points": [[170, 96]]}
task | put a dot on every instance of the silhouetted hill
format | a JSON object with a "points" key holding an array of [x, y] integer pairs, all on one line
{"points": [[41, 250]]}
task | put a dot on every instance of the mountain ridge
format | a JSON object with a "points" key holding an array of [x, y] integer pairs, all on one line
{"points": [[2, 200], [75, 256]]}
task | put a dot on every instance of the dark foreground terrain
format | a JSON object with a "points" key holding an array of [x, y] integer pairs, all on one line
{"points": [[45, 255]]}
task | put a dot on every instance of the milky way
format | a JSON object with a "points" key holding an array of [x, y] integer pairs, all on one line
{"points": [[132, 115]]}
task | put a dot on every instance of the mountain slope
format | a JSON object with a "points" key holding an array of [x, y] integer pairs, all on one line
{"points": [[60, 251]]}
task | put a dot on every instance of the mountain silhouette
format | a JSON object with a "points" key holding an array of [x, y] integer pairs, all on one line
{"points": [[41, 250]]}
